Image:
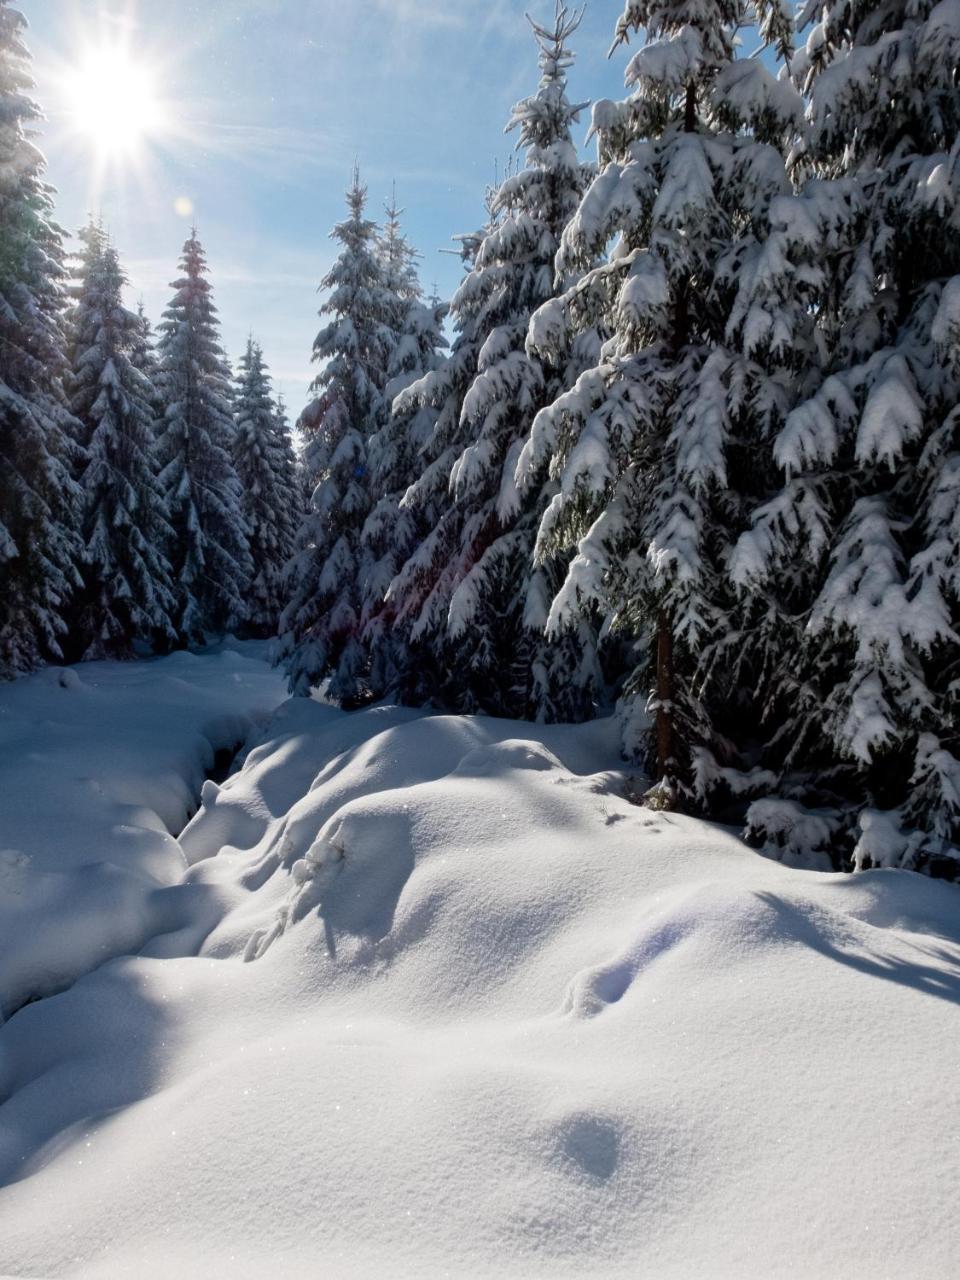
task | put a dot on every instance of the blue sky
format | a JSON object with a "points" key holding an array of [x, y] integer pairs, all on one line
{"points": [[270, 101]]}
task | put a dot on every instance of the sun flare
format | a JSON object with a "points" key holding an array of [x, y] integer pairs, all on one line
{"points": [[112, 100]]}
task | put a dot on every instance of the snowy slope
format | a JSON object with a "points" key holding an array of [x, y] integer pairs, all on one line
{"points": [[466, 1012], [99, 768]]}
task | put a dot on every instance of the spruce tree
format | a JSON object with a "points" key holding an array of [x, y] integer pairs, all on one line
{"points": [[860, 545], [394, 528], [127, 595], [39, 499], [554, 676], [262, 460], [417, 599], [398, 256], [209, 554], [654, 448], [474, 573], [320, 627], [143, 354], [289, 470]]}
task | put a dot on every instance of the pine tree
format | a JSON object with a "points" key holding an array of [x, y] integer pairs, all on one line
{"points": [[417, 598], [127, 594], [39, 500], [262, 458], [398, 256], [555, 676], [209, 554], [654, 448], [289, 470], [143, 355], [482, 596], [320, 627], [393, 529], [859, 548]]}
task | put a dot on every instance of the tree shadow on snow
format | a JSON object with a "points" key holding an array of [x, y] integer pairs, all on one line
{"points": [[72, 1061], [935, 971]]}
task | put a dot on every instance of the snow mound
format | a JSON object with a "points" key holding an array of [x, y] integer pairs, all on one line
{"points": [[101, 767], [464, 1010]]}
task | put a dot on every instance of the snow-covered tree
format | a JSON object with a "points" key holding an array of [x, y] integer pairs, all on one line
{"points": [[143, 353], [395, 459], [320, 627], [414, 600], [472, 582], [263, 460], [290, 478], [860, 547], [39, 499], [398, 256], [654, 448], [143, 357], [127, 593], [209, 553]]}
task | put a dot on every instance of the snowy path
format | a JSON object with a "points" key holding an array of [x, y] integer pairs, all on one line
{"points": [[459, 1010]]}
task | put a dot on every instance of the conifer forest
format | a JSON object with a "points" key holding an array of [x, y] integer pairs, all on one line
{"points": [[503, 811]]}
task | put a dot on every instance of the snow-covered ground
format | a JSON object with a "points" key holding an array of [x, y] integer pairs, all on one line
{"points": [[100, 766], [457, 1009]]}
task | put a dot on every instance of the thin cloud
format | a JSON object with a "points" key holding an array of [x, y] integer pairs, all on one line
{"points": [[415, 12], [297, 155], [274, 146], [496, 16]]}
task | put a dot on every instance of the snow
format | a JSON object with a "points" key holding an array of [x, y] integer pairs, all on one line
{"points": [[453, 1006], [667, 63], [947, 320], [100, 767], [892, 416]]}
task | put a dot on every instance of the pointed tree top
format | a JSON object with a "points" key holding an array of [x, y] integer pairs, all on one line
{"points": [[390, 208], [193, 259], [357, 192], [94, 236], [555, 57]]}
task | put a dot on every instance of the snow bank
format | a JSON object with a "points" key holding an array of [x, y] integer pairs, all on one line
{"points": [[100, 767], [467, 1012]]}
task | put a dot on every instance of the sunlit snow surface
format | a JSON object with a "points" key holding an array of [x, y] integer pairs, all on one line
{"points": [[460, 1010]]}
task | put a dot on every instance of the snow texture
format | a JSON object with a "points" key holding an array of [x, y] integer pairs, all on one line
{"points": [[463, 1010], [101, 766]]}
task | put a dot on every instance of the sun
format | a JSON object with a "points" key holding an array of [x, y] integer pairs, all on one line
{"points": [[111, 99]]}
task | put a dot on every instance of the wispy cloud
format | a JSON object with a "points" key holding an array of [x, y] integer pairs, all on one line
{"points": [[297, 155], [496, 16], [277, 148], [438, 13]]}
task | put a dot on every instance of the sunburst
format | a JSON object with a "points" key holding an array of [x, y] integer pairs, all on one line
{"points": [[111, 100]]}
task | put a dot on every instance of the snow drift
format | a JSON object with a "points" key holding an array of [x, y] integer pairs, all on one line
{"points": [[100, 767], [466, 1011]]}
